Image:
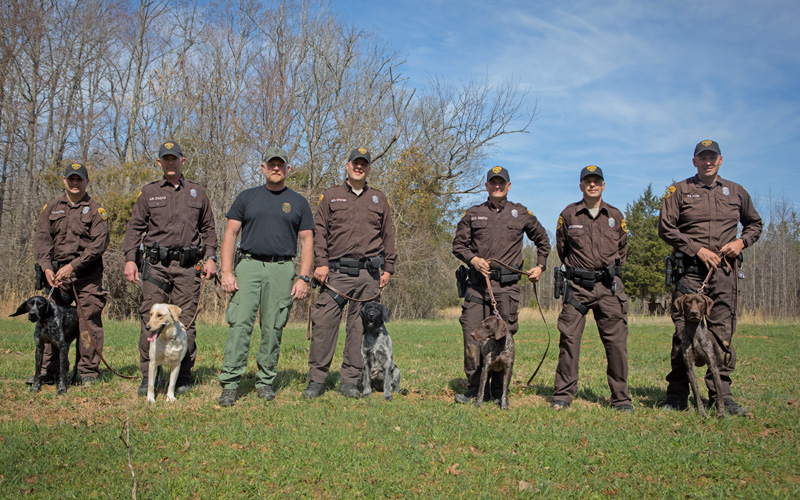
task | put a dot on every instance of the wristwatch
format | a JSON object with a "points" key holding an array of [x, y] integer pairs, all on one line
{"points": [[305, 278], [543, 266], [213, 257]]}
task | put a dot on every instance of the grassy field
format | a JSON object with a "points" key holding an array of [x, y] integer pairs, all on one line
{"points": [[421, 445]]}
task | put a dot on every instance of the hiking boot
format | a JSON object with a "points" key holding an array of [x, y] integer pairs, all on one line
{"points": [[89, 380], [559, 405], [265, 392], [228, 397], [348, 390], [47, 379], [675, 404], [314, 390], [735, 409], [142, 391], [470, 395], [182, 386], [624, 408]]}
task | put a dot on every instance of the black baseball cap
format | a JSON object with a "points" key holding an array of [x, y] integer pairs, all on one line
{"points": [[497, 171], [360, 153], [592, 170], [271, 153], [170, 148], [707, 145], [76, 169]]}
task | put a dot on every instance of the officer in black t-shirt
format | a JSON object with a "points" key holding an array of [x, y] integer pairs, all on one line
{"points": [[271, 219]]}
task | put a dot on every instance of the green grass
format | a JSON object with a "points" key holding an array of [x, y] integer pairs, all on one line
{"points": [[417, 446]]}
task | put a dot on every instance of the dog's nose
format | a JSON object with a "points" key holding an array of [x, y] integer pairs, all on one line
{"points": [[147, 327]]}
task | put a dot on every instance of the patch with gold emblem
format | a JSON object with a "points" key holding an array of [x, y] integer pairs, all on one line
{"points": [[362, 151], [45, 206], [706, 143], [497, 169], [560, 222], [591, 168], [169, 145], [321, 196], [286, 208], [138, 195], [103, 214], [75, 166], [624, 225], [670, 191], [530, 213]]}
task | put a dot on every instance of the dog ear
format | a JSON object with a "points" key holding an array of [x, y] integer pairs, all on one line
{"points": [[22, 309], [501, 330], [480, 333], [175, 311], [386, 313], [709, 303], [679, 303]]}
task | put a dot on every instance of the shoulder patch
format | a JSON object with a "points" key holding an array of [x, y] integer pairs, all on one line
{"points": [[321, 196], [138, 195], [624, 225], [530, 213], [43, 208], [560, 222], [103, 214], [670, 191]]}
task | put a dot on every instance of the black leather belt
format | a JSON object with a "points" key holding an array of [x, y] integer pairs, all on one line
{"points": [[269, 258]]}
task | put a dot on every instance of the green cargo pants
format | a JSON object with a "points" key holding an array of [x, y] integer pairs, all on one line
{"points": [[261, 284]]}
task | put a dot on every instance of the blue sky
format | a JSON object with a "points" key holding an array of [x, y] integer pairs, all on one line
{"points": [[630, 86]]}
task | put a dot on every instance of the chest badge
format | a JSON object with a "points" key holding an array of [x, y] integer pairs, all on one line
{"points": [[85, 210], [726, 191], [193, 192], [375, 200], [514, 213], [286, 208], [611, 222]]}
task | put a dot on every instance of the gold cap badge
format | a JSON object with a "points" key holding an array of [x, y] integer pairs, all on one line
{"points": [[591, 168]]}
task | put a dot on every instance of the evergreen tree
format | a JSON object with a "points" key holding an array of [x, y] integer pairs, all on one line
{"points": [[643, 273]]}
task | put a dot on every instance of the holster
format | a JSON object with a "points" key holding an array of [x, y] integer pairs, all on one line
{"points": [[559, 283], [40, 280], [462, 274]]}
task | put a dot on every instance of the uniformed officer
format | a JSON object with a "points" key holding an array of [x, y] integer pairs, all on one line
{"points": [[354, 253], [173, 222], [592, 243], [494, 230], [699, 219], [71, 236], [265, 275]]}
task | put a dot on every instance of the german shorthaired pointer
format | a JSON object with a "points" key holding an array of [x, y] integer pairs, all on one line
{"points": [[57, 326], [698, 346], [380, 372], [497, 353]]}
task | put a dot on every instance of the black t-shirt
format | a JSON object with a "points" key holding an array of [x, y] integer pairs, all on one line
{"points": [[271, 220]]}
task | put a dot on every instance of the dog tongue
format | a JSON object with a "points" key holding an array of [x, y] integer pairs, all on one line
{"points": [[153, 338]]}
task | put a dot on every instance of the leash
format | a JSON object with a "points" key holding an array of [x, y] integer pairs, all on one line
{"points": [[86, 333], [725, 347], [541, 312], [315, 282]]}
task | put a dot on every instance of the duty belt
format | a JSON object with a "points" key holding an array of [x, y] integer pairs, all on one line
{"points": [[502, 276], [268, 258], [352, 265]]}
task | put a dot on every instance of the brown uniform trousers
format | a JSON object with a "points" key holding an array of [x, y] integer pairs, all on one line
{"points": [[92, 299], [184, 294], [473, 314], [721, 323], [611, 315], [325, 318]]}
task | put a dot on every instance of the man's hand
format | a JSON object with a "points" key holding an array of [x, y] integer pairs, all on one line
{"points": [[385, 277], [131, 272], [321, 274], [228, 282], [300, 290], [51, 277], [209, 269], [64, 274], [732, 249], [709, 258], [534, 274], [481, 265]]}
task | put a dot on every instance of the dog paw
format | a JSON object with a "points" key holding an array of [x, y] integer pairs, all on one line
{"points": [[62, 391], [387, 397], [151, 399], [171, 399], [35, 388]]}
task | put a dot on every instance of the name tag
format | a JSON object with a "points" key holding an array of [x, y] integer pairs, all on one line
{"points": [[575, 226]]}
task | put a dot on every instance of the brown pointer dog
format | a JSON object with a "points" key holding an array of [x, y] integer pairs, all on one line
{"points": [[698, 346], [497, 351]]}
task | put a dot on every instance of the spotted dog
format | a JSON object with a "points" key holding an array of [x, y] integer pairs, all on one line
{"points": [[380, 372]]}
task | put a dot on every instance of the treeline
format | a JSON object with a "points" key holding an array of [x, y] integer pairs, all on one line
{"points": [[105, 82]]}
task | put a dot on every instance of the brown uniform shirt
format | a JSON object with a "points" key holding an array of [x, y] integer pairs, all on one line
{"points": [[694, 215], [489, 233], [591, 243], [72, 234], [354, 226], [173, 217]]}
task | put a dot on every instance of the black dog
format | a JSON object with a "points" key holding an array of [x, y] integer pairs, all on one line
{"points": [[380, 372], [497, 353], [57, 326]]}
